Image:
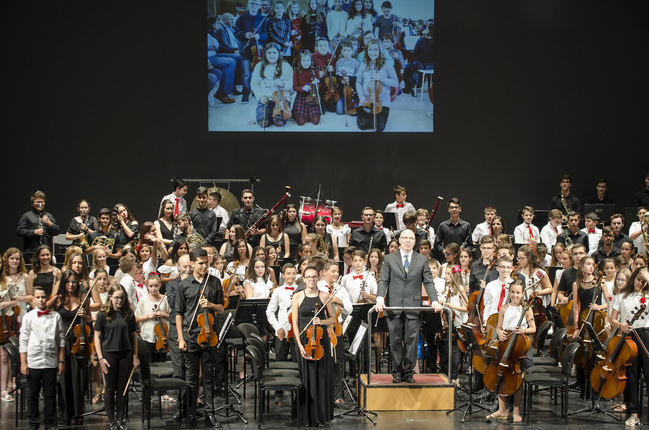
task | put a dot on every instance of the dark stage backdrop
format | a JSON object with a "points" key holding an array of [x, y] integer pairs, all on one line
{"points": [[106, 101]]}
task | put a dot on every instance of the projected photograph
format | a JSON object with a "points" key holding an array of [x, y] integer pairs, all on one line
{"points": [[320, 65]]}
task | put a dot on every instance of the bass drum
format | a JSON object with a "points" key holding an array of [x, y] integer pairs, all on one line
{"points": [[228, 200], [307, 212]]}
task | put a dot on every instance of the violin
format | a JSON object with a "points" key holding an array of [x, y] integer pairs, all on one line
{"points": [[83, 345], [256, 50], [504, 375], [331, 94], [282, 110], [597, 320], [230, 284], [373, 101], [6, 330], [608, 377], [314, 333], [312, 96], [348, 94], [290, 333], [207, 335], [161, 331]]}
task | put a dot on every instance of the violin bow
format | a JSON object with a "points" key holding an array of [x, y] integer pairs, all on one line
{"points": [[331, 296], [207, 277], [82, 305]]}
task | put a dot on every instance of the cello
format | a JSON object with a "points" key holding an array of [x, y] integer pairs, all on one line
{"points": [[504, 375], [161, 331], [608, 377], [597, 320], [314, 333]]}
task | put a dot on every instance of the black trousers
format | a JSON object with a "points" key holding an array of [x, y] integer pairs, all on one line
{"points": [[120, 364], [212, 364], [403, 330], [36, 379], [443, 355], [633, 373], [365, 120], [177, 356]]}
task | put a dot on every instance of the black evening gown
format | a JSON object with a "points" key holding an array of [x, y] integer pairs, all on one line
{"points": [[317, 401], [73, 383]]}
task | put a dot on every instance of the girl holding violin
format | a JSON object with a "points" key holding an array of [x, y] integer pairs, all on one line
{"points": [[317, 399], [346, 70], [151, 311], [8, 299], [373, 87], [314, 25], [275, 235], [508, 318], [279, 30], [294, 15], [75, 314], [238, 267], [117, 350], [634, 295], [272, 80], [305, 82], [454, 297], [17, 280], [536, 278]]}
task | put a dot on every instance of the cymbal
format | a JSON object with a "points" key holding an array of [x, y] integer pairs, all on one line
{"points": [[228, 200]]}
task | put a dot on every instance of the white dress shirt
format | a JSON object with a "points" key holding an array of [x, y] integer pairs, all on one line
{"points": [[341, 293], [353, 286], [549, 235], [182, 203], [220, 212], [638, 242], [492, 297], [387, 233], [593, 239], [135, 291], [146, 306], [279, 307], [522, 233], [260, 288], [392, 207], [41, 337], [482, 229]]}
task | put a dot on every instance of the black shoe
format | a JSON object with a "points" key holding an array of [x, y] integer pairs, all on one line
{"points": [[35, 426], [50, 427], [190, 421], [410, 379], [236, 92], [210, 421], [396, 379], [179, 417], [245, 98], [111, 426], [121, 425], [225, 99]]}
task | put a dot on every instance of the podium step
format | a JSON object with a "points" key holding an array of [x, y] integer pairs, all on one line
{"points": [[429, 392]]}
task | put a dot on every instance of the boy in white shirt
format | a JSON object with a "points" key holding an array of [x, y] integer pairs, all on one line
{"points": [[358, 283], [484, 228], [594, 233], [42, 352], [527, 233], [552, 229], [399, 206], [496, 292]]}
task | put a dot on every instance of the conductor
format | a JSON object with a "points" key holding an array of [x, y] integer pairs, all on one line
{"points": [[400, 280]]}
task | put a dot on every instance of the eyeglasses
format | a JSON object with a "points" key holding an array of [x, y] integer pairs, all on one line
{"points": [[117, 297]]}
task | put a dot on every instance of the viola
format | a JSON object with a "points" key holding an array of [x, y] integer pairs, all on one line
{"points": [[282, 109], [608, 377], [207, 335], [314, 333], [504, 374], [83, 345], [161, 331]]}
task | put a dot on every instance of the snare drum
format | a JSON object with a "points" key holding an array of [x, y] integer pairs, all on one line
{"points": [[307, 212]]}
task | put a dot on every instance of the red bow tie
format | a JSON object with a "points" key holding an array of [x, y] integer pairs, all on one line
{"points": [[357, 277], [400, 205], [41, 313], [140, 285], [591, 230], [290, 288]]}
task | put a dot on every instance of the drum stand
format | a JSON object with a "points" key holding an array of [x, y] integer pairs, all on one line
{"points": [[468, 407], [594, 407]]}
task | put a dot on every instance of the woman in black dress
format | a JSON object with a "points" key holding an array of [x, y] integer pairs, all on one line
{"points": [[43, 273], [165, 223], [276, 237], [74, 381], [295, 229], [116, 346], [125, 226], [317, 399]]}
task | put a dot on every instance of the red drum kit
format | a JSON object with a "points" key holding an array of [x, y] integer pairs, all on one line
{"points": [[307, 212]]}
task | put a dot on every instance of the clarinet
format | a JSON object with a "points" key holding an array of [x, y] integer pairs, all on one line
{"points": [[41, 226]]}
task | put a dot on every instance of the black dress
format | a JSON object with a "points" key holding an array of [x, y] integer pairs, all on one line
{"points": [[45, 280], [73, 383], [294, 231], [278, 244], [166, 233], [317, 401]]}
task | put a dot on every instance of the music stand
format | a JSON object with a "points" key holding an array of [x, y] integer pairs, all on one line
{"points": [[359, 314], [390, 220], [594, 407], [467, 407], [228, 408], [602, 210], [233, 303], [352, 354]]}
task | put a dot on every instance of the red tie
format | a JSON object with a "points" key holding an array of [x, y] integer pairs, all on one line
{"points": [[41, 313], [348, 269], [290, 288], [491, 232], [357, 277], [400, 205], [556, 229], [591, 230], [502, 297], [329, 287], [176, 208], [529, 228]]}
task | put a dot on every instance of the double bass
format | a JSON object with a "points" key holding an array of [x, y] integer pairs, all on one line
{"points": [[504, 375], [608, 377]]}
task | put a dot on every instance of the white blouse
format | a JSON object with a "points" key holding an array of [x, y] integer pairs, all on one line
{"points": [[340, 234], [512, 316], [260, 288]]}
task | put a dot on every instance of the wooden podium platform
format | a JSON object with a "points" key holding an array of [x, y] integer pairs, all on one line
{"points": [[430, 392]]}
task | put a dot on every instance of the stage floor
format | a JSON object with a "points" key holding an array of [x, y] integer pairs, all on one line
{"points": [[407, 114], [545, 415]]}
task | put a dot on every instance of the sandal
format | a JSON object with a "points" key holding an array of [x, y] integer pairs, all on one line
{"points": [[517, 419], [97, 398], [168, 399], [620, 407], [497, 415], [6, 397], [632, 421]]}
